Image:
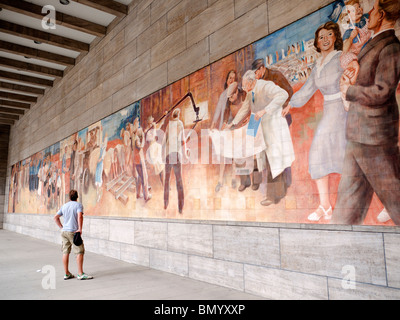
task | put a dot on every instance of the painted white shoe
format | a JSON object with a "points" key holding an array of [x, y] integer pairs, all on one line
{"points": [[383, 216], [315, 216]]}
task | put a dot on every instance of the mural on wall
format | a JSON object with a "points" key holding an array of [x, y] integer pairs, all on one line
{"points": [[265, 134]]}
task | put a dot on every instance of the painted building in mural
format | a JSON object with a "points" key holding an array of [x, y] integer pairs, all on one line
{"points": [[217, 146]]}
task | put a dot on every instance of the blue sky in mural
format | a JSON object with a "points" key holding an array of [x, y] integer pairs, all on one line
{"points": [[302, 30], [52, 150], [113, 124], [83, 135]]}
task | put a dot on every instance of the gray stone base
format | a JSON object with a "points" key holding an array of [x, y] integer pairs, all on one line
{"points": [[270, 260]]}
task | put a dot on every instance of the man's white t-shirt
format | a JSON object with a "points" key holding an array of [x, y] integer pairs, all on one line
{"points": [[70, 212]]}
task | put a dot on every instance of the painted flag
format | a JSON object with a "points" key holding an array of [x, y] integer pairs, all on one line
{"points": [[337, 10]]}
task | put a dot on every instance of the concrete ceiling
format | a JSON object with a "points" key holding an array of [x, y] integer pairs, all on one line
{"points": [[33, 54]]}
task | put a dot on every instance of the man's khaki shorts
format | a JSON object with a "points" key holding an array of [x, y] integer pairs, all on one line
{"points": [[68, 242]]}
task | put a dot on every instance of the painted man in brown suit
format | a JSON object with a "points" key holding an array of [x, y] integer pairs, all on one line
{"points": [[372, 161]]}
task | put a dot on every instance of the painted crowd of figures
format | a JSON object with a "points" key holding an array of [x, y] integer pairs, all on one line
{"points": [[354, 64]]}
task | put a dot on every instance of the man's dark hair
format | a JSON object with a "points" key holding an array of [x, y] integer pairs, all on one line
{"points": [[73, 195], [257, 64], [391, 8]]}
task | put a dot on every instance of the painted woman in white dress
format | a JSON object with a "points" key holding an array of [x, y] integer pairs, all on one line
{"points": [[328, 146]]}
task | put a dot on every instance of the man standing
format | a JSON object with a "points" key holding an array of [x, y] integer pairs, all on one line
{"points": [[73, 223], [174, 144], [267, 74], [72, 165], [276, 77], [372, 161], [64, 170], [265, 100], [140, 165]]}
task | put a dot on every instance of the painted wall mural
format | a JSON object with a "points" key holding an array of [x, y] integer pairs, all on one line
{"points": [[218, 145]]}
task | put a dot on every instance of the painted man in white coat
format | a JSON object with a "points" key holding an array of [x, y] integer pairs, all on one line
{"points": [[265, 99]]}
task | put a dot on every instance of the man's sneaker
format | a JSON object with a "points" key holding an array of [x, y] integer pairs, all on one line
{"points": [[84, 277], [69, 276]]}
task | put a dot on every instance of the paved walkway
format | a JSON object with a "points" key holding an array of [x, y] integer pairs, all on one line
{"points": [[22, 260]]}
